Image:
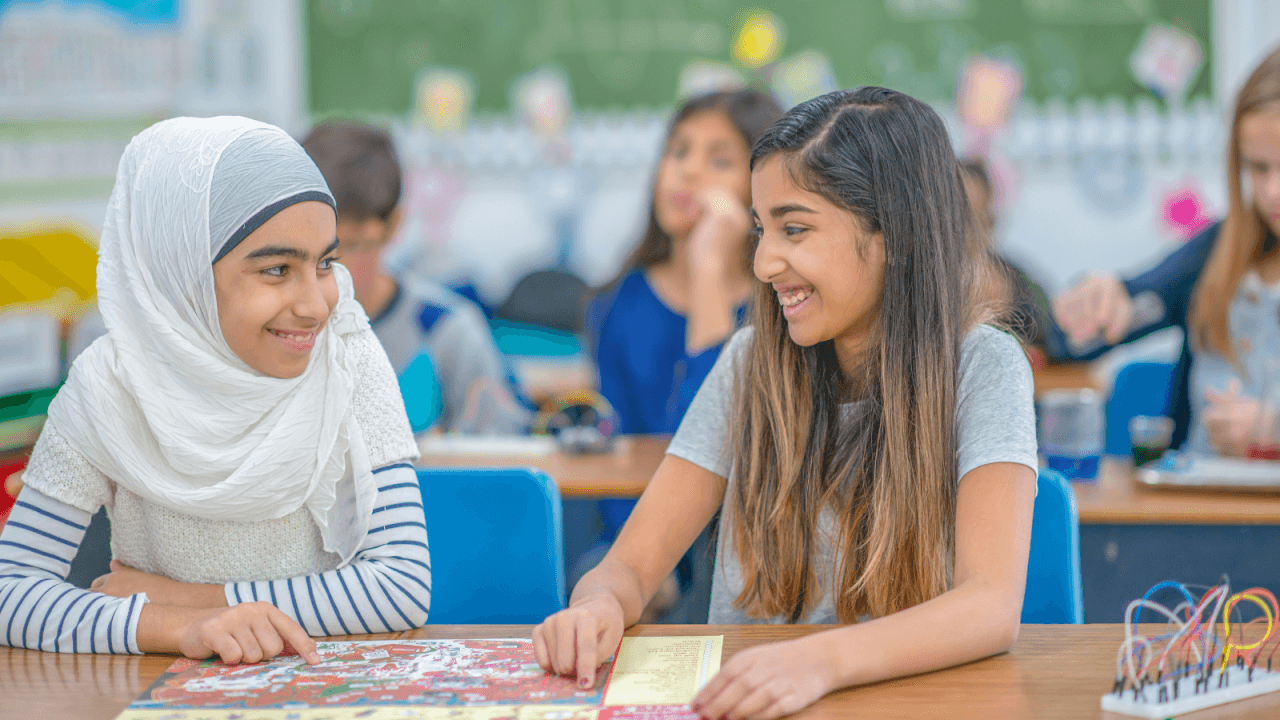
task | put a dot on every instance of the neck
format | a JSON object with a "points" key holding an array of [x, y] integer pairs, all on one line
{"points": [[378, 296]]}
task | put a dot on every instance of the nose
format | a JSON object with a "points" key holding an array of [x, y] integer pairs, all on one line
{"points": [[768, 263], [309, 301]]}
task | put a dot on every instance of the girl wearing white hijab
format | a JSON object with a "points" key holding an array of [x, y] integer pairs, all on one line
{"points": [[239, 421]]}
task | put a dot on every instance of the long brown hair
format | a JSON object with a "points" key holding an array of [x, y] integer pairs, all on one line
{"points": [[750, 111], [888, 472], [1241, 239]]}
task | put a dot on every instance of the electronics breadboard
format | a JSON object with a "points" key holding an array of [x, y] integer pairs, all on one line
{"points": [[1206, 656], [1174, 697]]}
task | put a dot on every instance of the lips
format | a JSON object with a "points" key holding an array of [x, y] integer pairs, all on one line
{"points": [[297, 340], [794, 297]]}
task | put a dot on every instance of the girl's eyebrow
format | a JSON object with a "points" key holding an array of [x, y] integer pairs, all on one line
{"points": [[289, 252], [781, 210]]}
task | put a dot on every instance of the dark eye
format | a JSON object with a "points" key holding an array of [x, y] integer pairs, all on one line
{"points": [[756, 232], [275, 270], [327, 263], [721, 163], [793, 230]]}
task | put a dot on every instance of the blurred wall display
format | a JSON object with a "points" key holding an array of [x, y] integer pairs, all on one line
{"points": [[625, 54], [78, 78]]}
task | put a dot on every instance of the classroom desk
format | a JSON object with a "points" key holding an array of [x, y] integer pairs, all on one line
{"points": [[1132, 537], [623, 472], [1064, 376], [1054, 671]]}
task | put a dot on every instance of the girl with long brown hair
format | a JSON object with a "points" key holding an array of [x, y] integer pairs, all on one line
{"points": [[869, 440], [1222, 287]]}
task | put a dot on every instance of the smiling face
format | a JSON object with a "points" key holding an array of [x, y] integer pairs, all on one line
{"points": [[826, 270], [1260, 159], [704, 151], [276, 289]]}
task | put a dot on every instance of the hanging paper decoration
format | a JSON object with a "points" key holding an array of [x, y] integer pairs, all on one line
{"points": [[1185, 212], [700, 77], [986, 96], [760, 40], [802, 77], [1167, 61], [445, 96], [543, 100]]}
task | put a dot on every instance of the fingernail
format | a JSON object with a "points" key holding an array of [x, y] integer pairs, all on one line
{"points": [[584, 682]]}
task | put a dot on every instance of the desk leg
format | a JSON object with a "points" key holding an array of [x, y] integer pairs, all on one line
{"points": [[1121, 562]]}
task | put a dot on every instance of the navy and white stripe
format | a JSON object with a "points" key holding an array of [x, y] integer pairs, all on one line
{"points": [[39, 609], [385, 588]]}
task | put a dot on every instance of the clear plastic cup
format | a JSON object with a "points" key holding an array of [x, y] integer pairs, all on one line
{"points": [[1149, 436], [1071, 425]]}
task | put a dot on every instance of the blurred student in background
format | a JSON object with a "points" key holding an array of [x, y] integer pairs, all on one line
{"points": [[657, 330], [411, 315], [1222, 288], [1029, 315]]}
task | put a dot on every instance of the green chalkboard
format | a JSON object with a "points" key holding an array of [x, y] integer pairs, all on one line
{"points": [[363, 55]]}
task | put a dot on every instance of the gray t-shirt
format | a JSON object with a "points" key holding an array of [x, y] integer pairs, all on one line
{"points": [[995, 421], [426, 316]]}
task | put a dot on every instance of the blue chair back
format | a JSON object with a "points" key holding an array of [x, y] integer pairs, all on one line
{"points": [[420, 388], [1141, 388], [497, 545], [1054, 594]]}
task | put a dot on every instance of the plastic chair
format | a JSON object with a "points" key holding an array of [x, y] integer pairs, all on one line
{"points": [[497, 545], [1054, 593], [1141, 388]]}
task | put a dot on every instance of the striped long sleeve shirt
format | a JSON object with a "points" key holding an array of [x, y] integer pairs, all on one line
{"points": [[385, 588]]}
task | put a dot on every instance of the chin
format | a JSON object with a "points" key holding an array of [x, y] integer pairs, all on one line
{"points": [[801, 338], [286, 370]]}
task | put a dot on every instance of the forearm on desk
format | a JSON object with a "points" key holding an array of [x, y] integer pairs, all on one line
{"points": [[39, 609], [385, 588], [959, 626]]}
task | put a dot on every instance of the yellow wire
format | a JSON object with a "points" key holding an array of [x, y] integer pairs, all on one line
{"points": [[1226, 624]]}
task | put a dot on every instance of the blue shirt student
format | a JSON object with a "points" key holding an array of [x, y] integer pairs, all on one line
{"points": [[639, 346]]}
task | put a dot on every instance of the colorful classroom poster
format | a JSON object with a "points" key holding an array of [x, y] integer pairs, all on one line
{"points": [[663, 670], [432, 680]]}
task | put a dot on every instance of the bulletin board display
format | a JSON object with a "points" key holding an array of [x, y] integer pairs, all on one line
{"points": [[363, 56]]}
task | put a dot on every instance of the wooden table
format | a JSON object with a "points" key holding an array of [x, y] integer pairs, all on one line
{"points": [[1065, 376], [624, 472], [1054, 671]]}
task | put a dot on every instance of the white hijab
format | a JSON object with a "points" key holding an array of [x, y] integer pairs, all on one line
{"points": [[161, 404]]}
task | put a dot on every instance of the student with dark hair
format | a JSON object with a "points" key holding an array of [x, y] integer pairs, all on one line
{"points": [[1222, 288], [657, 330], [869, 440], [411, 315]]}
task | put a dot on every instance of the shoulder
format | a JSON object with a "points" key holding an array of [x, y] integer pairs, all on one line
{"points": [[59, 471], [376, 402], [990, 357]]}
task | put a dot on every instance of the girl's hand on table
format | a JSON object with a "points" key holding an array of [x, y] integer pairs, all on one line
{"points": [[576, 640], [246, 633], [1099, 304], [124, 581], [766, 682], [1231, 420]]}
